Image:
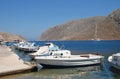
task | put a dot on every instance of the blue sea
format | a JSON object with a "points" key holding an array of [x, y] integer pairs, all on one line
{"points": [[103, 71]]}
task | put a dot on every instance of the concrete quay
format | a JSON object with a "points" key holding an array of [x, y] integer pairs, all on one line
{"points": [[10, 63]]}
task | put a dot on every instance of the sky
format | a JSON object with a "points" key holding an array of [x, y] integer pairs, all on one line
{"points": [[30, 18]]}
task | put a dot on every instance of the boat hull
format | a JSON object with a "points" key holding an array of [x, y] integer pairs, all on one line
{"points": [[61, 66], [68, 62]]}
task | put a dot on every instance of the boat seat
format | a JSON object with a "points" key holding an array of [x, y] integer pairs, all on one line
{"points": [[87, 56]]}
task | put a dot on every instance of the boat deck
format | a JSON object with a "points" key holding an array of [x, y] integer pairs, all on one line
{"points": [[72, 57]]}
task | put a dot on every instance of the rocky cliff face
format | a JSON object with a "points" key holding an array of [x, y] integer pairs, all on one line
{"points": [[109, 29], [99, 27], [10, 37]]}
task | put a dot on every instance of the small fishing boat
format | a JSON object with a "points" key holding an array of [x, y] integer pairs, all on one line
{"points": [[26, 46], [45, 50], [63, 58], [114, 60]]}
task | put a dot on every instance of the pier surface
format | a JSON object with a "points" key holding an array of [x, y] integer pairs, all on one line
{"points": [[10, 63]]}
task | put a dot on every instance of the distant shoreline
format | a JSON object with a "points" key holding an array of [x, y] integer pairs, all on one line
{"points": [[77, 40]]}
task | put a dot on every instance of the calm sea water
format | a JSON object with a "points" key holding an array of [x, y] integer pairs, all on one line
{"points": [[102, 71]]}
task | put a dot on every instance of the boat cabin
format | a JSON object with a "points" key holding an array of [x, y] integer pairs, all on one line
{"points": [[49, 44], [61, 53], [52, 47], [116, 58]]}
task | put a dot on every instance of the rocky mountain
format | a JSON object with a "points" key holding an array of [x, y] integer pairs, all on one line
{"points": [[93, 28], [10, 37]]}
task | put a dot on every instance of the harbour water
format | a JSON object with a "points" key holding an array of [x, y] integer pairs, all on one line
{"points": [[102, 71]]}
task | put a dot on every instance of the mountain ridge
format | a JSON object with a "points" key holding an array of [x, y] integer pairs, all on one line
{"points": [[10, 37], [93, 28]]}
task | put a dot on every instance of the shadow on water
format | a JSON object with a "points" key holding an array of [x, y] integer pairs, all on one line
{"points": [[116, 72], [67, 73], [22, 55], [91, 72]]}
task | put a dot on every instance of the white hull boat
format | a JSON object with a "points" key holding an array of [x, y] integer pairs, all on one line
{"points": [[45, 50], [26, 47], [63, 58], [114, 60], [40, 52]]}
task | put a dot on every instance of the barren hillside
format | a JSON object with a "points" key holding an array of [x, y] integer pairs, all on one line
{"points": [[10, 37], [99, 27]]}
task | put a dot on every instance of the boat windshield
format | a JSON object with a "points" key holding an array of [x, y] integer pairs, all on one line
{"points": [[47, 44], [115, 58]]}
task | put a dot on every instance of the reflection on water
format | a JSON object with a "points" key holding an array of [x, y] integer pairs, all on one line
{"points": [[69, 73], [92, 72], [22, 55]]}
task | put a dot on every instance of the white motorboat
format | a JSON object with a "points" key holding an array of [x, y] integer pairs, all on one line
{"points": [[114, 60], [63, 58], [26, 46], [45, 50]]}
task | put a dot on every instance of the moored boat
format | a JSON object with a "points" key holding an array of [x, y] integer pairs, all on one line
{"points": [[26, 46], [114, 60], [45, 50], [63, 58]]}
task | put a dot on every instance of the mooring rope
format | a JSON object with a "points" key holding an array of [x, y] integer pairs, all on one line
{"points": [[39, 67], [106, 70]]}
